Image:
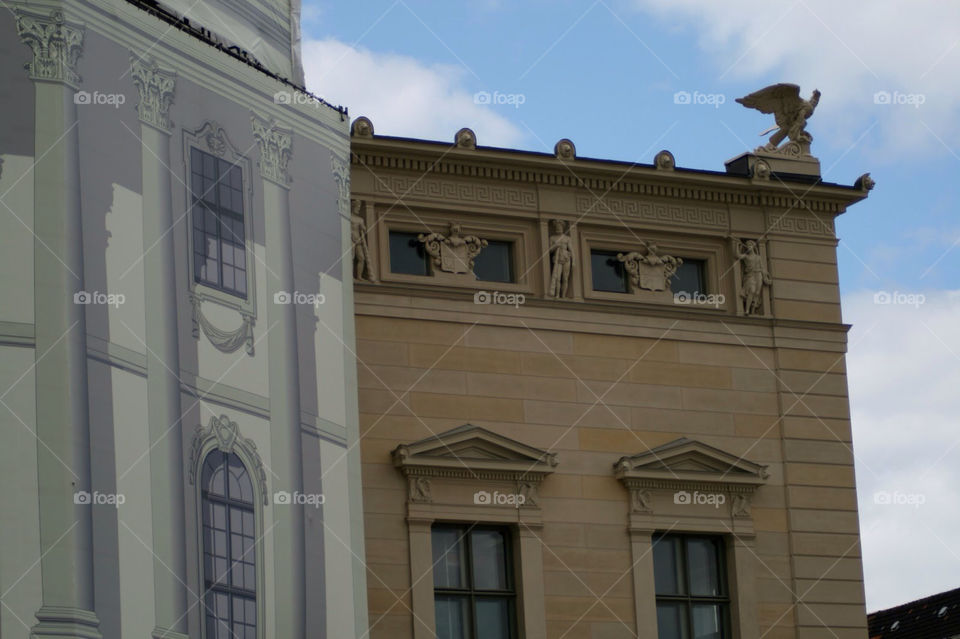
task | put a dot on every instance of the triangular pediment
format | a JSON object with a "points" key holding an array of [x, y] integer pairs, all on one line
{"points": [[473, 448], [688, 460]]}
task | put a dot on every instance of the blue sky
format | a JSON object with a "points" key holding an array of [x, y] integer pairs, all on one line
{"points": [[604, 73]]}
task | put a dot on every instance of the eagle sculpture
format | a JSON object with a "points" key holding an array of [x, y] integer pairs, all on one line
{"points": [[790, 111]]}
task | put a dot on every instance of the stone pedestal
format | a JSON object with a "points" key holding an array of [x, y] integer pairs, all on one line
{"points": [[784, 163]]}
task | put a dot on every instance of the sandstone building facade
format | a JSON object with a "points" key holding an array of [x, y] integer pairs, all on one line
{"points": [[601, 400]]}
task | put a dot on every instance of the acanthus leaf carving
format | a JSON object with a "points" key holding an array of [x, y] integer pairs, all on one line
{"points": [[56, 44], [156, 88], [275, 144]]}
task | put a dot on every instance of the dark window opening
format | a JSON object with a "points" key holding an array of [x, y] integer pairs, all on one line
{"points": [[474, 593], [219, 243], [688, 278], [691, 587], [495, 262], [608, 272], [407, 255]]}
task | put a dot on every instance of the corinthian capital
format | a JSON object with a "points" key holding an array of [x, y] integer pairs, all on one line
{"points": [[56, 45], [275, 153], [155, 86]]}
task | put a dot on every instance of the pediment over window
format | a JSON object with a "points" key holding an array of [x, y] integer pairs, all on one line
{"points": [[687, 462], [473, 451]]}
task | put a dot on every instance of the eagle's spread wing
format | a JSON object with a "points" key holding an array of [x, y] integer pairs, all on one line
{"points": [[778, 99]]}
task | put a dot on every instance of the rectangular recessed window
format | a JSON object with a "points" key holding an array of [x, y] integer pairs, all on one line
{"points": [[691, 587], [474, 595], [219, 242], [688, 278], [608, 272], [495, 262], [406, 254]]}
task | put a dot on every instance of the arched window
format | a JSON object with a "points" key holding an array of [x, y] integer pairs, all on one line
{"points": [[229, 552]]}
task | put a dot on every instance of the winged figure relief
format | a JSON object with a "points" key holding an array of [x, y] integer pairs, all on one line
{"points": [[790, 111]]}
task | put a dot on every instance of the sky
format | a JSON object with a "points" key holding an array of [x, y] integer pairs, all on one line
{"points": [[605, 73]]}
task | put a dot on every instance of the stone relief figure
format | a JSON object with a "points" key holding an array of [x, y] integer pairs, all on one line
{"points": [[358, 238], [528, 490], [650, 271], [561, 259], [753, 277], [453, 252], [791, 113], [740, 506], [642, 501], [420, 490]]}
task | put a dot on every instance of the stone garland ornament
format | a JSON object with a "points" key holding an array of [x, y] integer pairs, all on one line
{"points": [[753, 277], [225, 435], [649, 271], [453, 252], [155, 87], [223, 341], [561, 259], [56, 44], [358, 239]]}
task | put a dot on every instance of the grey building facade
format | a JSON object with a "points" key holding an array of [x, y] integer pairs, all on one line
{"points": [[177, 378]]}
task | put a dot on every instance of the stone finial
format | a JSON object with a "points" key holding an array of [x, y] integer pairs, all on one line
{"points": [[275, 149], [664, 161], [56, 45], [156, 87], [465, 139], [761, 170], [864, 183], [362, 128], [565, 150]]}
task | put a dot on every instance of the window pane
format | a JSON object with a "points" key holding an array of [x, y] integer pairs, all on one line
{"points": [[407, 254], [688, 278], [703, 565], [608, 273], [488, 548], [666, 566], [213, 473], [707, 622], [493, 618], [453, 618], [449, 558], [672, 621], [495, 262]]}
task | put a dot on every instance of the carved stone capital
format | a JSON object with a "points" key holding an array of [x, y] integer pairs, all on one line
{"points": [[275, 150], [155, 86], [56, 45]]}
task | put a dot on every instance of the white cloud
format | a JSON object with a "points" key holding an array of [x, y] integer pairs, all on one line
{"points": [[904, 377], [401, 95], [850, 51]]}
